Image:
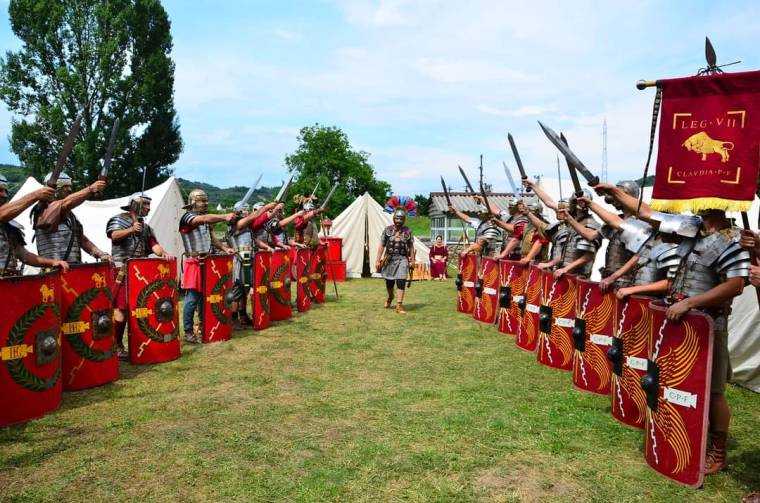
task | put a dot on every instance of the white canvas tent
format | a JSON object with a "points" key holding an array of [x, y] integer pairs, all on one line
{"points": [[743, 342], [165, 211], [360, 226]]}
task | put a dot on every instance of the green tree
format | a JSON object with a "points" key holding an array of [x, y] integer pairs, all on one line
{"points": [[423, 204], [324, 155], [101, 58]]}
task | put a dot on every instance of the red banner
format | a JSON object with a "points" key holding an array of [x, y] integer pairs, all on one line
{"points": [[216, 280], [709, 145], [88, 336]]}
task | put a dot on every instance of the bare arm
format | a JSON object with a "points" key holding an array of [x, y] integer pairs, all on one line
{"points": [[609, 218], [90, 248], [30, 258], [11, 210], [504, 225], [462, 216], [539, 224], [542, 194], [220, 245], [535, 249], [210, 218], [248, 219], [511, 245], [585, 232], [261, 245], [285, 221], [74, 199], [579, 262], [629, 202], [660, 286]]}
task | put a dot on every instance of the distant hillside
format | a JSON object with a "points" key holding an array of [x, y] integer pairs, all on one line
{"points": [[227, 197], [15, 175]]}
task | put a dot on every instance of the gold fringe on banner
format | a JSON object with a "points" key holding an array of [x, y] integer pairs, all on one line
{"points": [[699, 204]]}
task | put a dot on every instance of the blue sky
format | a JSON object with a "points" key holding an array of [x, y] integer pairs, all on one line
{"points": [[423, 86]]}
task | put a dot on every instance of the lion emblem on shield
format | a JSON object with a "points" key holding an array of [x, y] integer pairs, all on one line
{"points": [[701, 143]]}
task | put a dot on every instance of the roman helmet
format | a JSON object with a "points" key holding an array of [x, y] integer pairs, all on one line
{"points": [[399, 216], [308, 204], [62, 186], [630, 187], [532, 202], [137, 203], [573, 207], [258, 206], [197, 200], [241, 207]]}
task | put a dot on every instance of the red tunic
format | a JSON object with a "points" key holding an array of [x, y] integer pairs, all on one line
{"points": [[438, 257]]}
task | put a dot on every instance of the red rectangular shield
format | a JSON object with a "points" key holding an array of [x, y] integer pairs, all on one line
{"points": [[87, 345], [486, 291], [465, 282], [556, 321], [513, 277], [216, 281], [30, 347], [592, 337], [152, 298], [317, 275], [279, 286], [628, 358], [527, 331], [677, 387], [303, 259], [260, 290]]}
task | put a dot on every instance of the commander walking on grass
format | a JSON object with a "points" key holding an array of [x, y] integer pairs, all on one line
{"points": [[394, 258]]}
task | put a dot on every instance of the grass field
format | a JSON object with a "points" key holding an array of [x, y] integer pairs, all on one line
{"points": [[420, 226], [352, 402]]}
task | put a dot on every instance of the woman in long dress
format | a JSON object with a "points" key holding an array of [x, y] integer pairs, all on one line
{"points": [[439, 256]]}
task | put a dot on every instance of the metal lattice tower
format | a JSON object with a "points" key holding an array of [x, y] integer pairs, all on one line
{"points": [[604, 150]]}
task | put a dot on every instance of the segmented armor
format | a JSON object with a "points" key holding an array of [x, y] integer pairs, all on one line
{"points": [[397, 243], [646, 270], [196, 240], [242, 242], [11, 236], [63, 243], [307, 232], [713, 258], [576, 246], [491, 235], [616, 256], [132, 246], [558, 233]]}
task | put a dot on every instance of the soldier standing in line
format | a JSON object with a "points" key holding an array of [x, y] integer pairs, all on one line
{"points": [[307, 230], [705, 271], [240, 238], [130, 238], [198, 240], [12, 243], [487, 242], [61, 237], [571, 252]]}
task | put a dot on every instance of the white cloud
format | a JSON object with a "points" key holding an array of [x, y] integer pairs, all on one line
{"points": [[523, 111]]}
